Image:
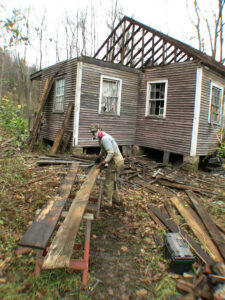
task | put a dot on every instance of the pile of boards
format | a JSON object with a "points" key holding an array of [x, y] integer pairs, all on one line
{"points": [[180, 206]]}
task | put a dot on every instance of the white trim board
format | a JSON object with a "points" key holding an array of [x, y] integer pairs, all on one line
{"points": [[195, 127], [77, 104]]}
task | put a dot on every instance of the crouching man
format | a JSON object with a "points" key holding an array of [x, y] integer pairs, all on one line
{"points": [[111, 158]]}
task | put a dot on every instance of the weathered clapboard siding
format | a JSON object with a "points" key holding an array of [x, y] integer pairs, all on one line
{"points": [[54, 121], [207, 140], [123, 127], [173, 133]]}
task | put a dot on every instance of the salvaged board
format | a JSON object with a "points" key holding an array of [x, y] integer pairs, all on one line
{"points": [[44, 96], [209, 224], [174, 228], [61, 248], [61, 132], [197, 227], [41, 229]]}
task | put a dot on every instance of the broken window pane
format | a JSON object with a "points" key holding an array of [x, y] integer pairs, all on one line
{"points": [[110, 95], [156, 98]]}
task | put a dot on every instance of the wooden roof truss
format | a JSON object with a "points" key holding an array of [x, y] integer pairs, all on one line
{"points": [[136, 45]]}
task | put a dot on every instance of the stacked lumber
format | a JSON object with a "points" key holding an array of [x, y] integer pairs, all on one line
{"points": [[207, 283]]}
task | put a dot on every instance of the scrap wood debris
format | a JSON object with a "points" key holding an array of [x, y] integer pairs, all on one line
{"points": [[155, 184]]}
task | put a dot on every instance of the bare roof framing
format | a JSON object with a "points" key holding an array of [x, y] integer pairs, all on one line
{"points": [[134, 44]]}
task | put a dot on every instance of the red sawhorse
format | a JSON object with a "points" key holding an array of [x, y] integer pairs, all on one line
{"points": [[75, 264]]}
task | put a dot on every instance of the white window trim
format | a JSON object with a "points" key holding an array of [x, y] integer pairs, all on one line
{"points": [[54, 106], [147, 100], [119, 95], [213, 84]]}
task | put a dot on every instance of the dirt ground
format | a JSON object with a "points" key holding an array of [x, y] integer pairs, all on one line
{"points": [[127, 259]]}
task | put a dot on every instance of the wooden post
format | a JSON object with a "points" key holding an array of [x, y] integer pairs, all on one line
{"points": [[61, 132], [44, 96]]}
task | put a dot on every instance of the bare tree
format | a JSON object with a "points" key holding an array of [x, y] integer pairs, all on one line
{"points": [[212, 23]]}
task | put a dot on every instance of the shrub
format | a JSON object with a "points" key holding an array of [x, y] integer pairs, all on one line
{"points": [[12, 119]]}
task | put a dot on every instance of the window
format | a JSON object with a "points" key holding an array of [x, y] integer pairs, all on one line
{"points": [[156, 98], [110, 95], [59, 95], [215, 104]]}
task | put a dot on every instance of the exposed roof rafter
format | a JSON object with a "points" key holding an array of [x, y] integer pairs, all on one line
{"points": [[134, 44]]}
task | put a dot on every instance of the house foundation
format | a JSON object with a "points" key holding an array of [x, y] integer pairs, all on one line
{"points": [[137, 150], [191, 163], [77, 150], [127, 150]]}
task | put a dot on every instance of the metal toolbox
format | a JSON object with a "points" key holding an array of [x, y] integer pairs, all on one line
{"points": [[178, 253]]}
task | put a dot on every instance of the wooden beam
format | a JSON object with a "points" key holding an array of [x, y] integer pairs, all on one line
{"points": [[61, 249], [209, 224], [61, 132], [44, 96], [197, 227], [105, 42], [135, 44], [174, 228], [127, 42], [41, 229], [66, 141], [140, 50], [117, 41]]}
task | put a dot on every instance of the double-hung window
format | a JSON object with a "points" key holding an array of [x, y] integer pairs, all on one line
{"points": [[59, 95], [156, 98], [110, 95], [216, 103]]}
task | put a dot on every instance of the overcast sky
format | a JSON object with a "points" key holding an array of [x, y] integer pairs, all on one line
{"points": [[169, 16]]}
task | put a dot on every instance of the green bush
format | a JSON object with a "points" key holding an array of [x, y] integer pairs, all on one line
{"points": [[221, 150], [12, 119]]}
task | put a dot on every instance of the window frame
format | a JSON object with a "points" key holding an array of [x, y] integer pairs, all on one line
{"points": [[147, 114], [213, 84], [55, 103], [119, 96]]}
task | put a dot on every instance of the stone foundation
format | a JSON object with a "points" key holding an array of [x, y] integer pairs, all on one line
{"points": [[137, 150], [77, 150], [191, 163]]}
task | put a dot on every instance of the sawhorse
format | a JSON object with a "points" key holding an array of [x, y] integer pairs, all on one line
{"points": [[75, 264]]}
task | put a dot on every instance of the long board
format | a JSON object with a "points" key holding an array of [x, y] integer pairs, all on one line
{"points": [[41, 229], [61, 248], [197, 227], [217, 237], [174, 228]]}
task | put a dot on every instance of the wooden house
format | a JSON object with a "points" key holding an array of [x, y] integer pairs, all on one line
{"points": [[144, 88]]}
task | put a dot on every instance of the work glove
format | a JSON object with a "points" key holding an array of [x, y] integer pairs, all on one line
{"points": [[102, 165], [98, 160]]}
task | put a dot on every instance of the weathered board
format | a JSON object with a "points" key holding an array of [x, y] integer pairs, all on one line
{"points": [[61, 132], [197, 227], [174, 228], [44, 96], [61, 248], [209, 224], [41, 229]]}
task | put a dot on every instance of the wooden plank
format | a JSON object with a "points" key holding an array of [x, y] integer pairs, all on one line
{"points": [[197, 227], [61, 249], [174, 228], [61, 132], [209, 224], [66, 141], [44, 96], [41, 229]]}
